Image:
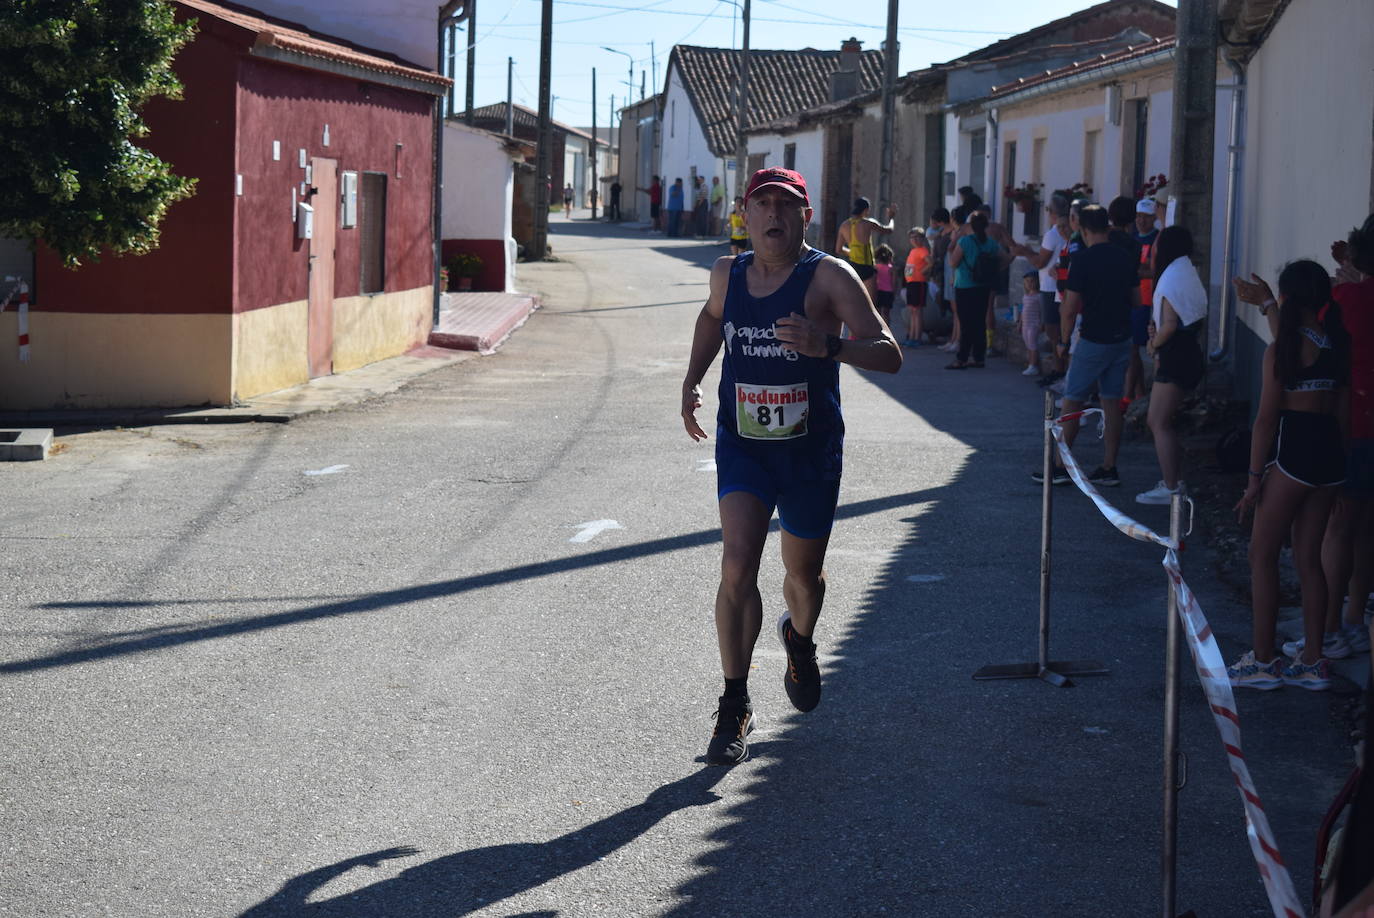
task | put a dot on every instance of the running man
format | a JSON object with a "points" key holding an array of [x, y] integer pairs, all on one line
{"points": [[855, 241], [779, 435]]}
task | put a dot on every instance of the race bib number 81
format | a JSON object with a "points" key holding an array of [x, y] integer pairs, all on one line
{"points": [[771, 412]]}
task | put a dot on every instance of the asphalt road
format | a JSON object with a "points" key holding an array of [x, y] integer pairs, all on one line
{"points": [[404, 686]]}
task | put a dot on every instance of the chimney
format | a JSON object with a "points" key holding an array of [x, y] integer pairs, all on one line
{"points": [[844, 82]]}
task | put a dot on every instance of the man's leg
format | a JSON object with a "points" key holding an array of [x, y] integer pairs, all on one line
{"points": [[739, 608], [1111, 411], [803, 586]]}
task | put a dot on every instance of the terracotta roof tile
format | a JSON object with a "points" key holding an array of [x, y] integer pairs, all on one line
{"points": [[294, 37], [781, 83], [1105, 10], [524, 117]]}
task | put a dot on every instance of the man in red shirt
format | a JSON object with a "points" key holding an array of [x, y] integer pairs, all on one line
{"points": [[655, 193]]}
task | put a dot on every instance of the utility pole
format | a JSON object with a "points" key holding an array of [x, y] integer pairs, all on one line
{"points": [[890, 51], [510, 97], [1194, 125], [472, 42], [594, 195], [539, 245], [741, 148]]}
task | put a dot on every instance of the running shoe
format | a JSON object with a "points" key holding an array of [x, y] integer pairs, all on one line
{"points": [[1104, 477], [730, 740], [1060, 476], [1312, 676], [1031, 371], [803, 677], [1160, 495], [1357, 636], [1334, 646], [1247, 672]]}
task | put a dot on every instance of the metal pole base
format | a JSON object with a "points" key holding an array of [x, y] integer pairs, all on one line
{"points": [[1056, 672]]}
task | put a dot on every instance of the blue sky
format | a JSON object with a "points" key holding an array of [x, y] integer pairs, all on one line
{"points": [[927, 33]]}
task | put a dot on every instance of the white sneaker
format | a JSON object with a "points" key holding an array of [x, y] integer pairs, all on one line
{"points": [[1334, 646], [1357, 636], [1031, 371], [1159, 495]]}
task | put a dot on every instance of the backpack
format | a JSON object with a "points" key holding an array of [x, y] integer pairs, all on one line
{"points": [[985, 269]]}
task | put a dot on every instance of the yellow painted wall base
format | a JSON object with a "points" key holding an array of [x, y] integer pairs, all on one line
{"points": [[85, 360], [372, 328], [88, 360]]}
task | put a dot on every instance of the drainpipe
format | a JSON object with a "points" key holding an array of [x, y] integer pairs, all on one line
{"points": [[453, 10], [1227, 314]]}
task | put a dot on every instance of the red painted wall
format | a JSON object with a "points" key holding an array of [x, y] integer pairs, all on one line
{"points": [[366, 121], [493, 255], [191, 271]]}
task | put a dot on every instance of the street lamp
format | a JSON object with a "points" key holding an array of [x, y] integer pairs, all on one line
{"points": [[628, 93], [631, 81]]}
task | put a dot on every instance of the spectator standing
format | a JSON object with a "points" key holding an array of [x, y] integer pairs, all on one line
{"points": [[1297, 460], [567, 200], [977, 260], [613, 209], [886, 281], [1121, 212], [717, 205], [916, 278], [1102, 287], [937, 235], [1180, 305], [1046, 262], [675, 205], [655, 193], [700, 208], [1029, 321], [854, 241]]}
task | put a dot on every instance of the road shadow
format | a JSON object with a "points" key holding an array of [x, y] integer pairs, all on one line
{"points": [[465, 881], [914, 791]]}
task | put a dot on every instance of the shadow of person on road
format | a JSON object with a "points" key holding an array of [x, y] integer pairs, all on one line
{"points": [[462, 882]]}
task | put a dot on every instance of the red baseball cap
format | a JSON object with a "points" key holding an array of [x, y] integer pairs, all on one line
{"points": [[783, 178]]}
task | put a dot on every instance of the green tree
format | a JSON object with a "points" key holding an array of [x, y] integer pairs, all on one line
{"points": [[74, 77]]}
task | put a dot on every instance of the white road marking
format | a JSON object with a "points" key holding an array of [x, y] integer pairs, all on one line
{"points": [[330, 470], [925, 578], [706, 465], [589, 531]]}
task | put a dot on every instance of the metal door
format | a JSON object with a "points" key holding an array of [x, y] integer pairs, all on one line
{"points": [[325, 201]]}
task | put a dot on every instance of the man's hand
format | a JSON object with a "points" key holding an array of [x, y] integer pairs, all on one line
{"points": [[800, 334], [891, 211], [691, 401]]}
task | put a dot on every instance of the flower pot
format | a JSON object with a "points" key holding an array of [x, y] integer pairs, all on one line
{"points": [[1023, 205], [464, 284]]}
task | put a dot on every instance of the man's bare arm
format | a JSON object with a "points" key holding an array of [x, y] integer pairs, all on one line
{"points": [[837, 297], [705, 345]]}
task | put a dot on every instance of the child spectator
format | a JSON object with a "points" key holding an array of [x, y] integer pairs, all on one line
{"points": [[1297, 462], [886, 278], [1029, 321], [917, 277]]}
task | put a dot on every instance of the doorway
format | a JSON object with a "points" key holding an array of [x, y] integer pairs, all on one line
{"points": [[320, 308]]}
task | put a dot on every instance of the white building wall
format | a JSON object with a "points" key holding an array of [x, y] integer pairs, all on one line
{"points": [[810, 163], [684, 143], [479, 190], [1308, 149]]}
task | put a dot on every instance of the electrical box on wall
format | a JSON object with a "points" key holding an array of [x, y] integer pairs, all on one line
{"points": [[305, 221], [349, 200]]}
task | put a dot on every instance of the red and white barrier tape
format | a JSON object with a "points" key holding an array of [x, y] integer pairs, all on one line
{"points": [[1211, 672]]}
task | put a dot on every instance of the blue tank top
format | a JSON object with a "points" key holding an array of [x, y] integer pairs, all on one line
{"points": [[772, 398]]}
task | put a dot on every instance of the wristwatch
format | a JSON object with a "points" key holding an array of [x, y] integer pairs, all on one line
{"points": [[833, 343]]}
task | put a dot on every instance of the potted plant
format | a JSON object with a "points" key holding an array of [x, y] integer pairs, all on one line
{"points": [[1024, 196], [1079, 190], [1152, 187], [462, 268]]}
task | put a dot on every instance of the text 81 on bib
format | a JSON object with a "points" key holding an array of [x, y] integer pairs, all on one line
{"points": [[772, 412]]}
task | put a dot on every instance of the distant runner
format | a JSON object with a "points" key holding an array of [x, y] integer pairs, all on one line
{"points": [[779, 435]]}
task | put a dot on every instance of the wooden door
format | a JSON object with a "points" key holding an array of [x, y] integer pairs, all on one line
{"points": [[325, 201]]}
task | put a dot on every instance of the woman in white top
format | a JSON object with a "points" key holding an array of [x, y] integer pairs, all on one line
{"points": [[1180, 305]]}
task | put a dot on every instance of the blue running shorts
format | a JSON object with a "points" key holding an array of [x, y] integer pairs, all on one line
{"points": [[778, 478]]}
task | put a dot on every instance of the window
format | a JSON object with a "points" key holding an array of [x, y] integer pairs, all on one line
{"points": [[1142, 131], [672, 121], [977, 161], [1090, 139], [789, 156], [1038, 160], [372, 220]]}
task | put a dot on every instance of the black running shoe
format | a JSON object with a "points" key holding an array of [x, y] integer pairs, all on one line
{"points": [[803, 677], [1060, 476], [1105, 477], [730, 741]]}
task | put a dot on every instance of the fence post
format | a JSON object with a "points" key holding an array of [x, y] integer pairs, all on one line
{"points": [[1172, 674], [1056, 672]]}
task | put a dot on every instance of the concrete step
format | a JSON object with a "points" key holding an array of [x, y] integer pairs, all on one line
{"points": [[480, 321]]}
